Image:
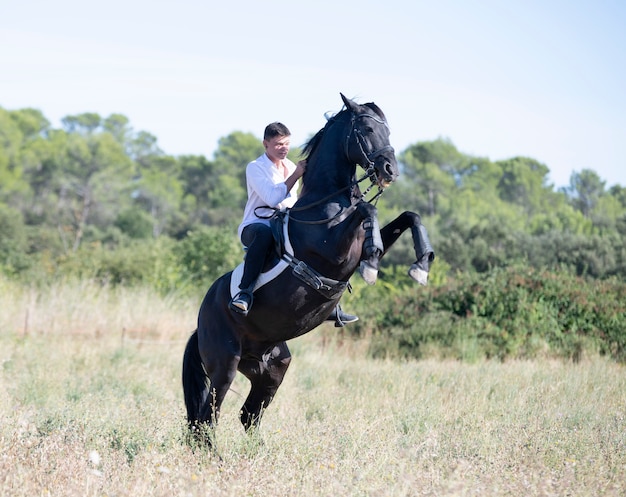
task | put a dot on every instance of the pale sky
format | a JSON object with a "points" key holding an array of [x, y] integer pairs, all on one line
{"points": [[544, 79]]}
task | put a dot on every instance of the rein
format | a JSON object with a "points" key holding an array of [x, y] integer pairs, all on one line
{"points": [[321, 201]]}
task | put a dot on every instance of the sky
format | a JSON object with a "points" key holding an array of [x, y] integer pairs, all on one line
{"points": [[543, 79]]}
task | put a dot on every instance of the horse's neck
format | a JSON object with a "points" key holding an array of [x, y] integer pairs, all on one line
{"points": [[328, 172]]}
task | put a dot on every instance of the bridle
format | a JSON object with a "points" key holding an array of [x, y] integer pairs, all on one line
{"points": [[370, 171]]}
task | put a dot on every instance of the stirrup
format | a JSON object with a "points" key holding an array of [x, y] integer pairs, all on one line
{"points": [[341, 318], [242, 302]]}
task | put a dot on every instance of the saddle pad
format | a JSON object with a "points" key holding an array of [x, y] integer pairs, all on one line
{"points": [[263, 278]]}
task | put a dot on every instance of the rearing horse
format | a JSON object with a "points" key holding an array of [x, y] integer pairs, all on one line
{"points": [[332, 230]]}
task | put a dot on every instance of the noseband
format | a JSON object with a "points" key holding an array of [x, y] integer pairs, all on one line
{"points": [[368, 157]]}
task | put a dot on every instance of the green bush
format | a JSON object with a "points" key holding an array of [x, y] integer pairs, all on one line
{"points": [[137, 262], [507, 313], [207, 253], [13, 241], [135, 223]]}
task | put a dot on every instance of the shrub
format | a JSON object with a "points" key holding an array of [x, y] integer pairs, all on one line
{"points": [[508, 313], [207, 253], [13, 241]]}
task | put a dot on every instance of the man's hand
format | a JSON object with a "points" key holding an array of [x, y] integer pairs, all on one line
{"points": [[300, 168]]}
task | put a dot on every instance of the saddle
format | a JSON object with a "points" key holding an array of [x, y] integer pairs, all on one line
{"points": [[279, 259]]}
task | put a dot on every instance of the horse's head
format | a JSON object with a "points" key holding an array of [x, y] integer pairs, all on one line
{"points": [[367, 144], [358, 134]]}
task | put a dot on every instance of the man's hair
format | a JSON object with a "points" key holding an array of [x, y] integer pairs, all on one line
{"points": [[275, 129]]}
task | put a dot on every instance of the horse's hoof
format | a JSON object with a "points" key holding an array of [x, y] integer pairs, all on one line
{"points": [[369, 273], [418, 274]]}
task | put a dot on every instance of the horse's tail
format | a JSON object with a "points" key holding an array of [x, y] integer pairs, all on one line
{"points": [[195, 385]]}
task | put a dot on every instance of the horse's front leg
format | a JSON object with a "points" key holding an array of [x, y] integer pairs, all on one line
{"points": [[373, 247], [423, 250]]}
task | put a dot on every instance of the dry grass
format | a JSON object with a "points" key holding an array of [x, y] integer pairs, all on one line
{"points": [[91, 404]]}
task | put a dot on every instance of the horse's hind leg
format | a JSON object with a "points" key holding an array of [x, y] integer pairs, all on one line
{"points": [[265, 374], [209, 368], [221, 376]]}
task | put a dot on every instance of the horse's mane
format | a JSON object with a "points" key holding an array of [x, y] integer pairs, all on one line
{"points": [[313, 143]]}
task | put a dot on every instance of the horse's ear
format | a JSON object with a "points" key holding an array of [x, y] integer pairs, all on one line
{"points": [[348, 103]]}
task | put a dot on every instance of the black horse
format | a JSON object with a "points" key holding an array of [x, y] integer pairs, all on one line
{"points": [[331, 231]]}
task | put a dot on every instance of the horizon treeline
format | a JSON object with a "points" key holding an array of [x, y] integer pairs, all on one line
{"points": [[97, 183]]}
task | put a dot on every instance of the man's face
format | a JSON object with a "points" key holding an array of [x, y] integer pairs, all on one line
{"points": [[277, 148]]}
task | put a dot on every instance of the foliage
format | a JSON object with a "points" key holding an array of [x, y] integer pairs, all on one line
{"points": [[514, 313], [207, 253], [13, 241]]}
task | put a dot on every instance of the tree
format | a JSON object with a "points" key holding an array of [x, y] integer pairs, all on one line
{"points": [[24, 136], [430, 171], [11, 139], [90, 174], [83, 124], [118, 126], [228, 184], [31, 123], [195, 177], [136, 223], [159, 190], [443, 154], [13, 243], [619, 193], [142, 144], [585, 190], [524, 182]]}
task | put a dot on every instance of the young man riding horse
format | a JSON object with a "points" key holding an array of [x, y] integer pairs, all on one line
{"points": [[272, 181]]}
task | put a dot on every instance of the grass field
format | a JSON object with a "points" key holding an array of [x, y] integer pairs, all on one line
{"points": [[91, 405]]}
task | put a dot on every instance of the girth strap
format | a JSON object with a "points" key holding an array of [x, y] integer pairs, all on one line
{"points": [[328, 287]]}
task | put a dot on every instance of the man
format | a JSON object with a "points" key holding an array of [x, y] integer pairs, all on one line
{"points": [[272, 180]]}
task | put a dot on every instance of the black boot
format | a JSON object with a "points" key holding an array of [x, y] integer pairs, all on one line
{"points": [[340, 318]]}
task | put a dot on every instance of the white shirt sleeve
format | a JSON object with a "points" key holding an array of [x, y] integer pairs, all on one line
{"points": [[261, 181]]}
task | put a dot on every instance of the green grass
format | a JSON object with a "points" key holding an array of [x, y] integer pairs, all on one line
{"points": [[84, 378]]}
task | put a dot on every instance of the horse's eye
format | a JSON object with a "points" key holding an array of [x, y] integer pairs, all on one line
{"points": [[369, 129]]}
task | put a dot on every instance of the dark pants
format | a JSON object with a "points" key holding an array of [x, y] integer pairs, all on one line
{"points": [[257, 237]]}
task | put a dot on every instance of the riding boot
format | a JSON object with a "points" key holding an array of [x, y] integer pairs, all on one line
{"points": [[258, 239]]}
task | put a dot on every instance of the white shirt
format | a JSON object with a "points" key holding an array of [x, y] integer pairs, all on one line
{"points": [[266, 187]]}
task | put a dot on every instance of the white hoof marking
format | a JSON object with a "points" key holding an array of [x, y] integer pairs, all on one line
{"points": [[418, 274], [368, 273]]}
